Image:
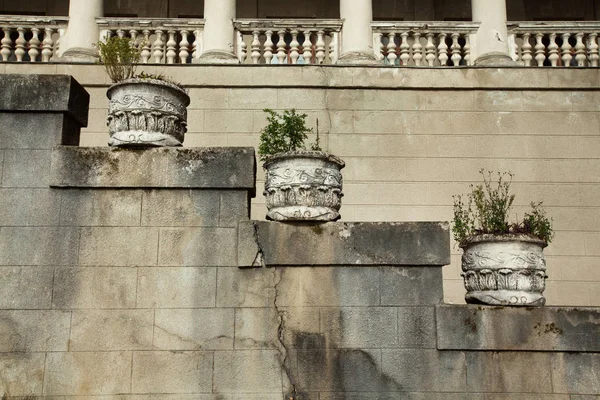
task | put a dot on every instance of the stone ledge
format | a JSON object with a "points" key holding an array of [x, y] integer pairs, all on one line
{"points": [[347, 77], [343, 243], [470, 327], [189, 168], [44, 93]]}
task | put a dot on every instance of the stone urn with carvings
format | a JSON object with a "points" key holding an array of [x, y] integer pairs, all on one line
{"points": [[303, 186], [505, 269], [146, 112]]}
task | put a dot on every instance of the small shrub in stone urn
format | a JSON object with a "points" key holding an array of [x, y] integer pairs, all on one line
{"points": [[144, 110], [502, 263], [301, 184]]}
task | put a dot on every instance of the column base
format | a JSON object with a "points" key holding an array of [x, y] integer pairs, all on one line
{"points": [[357, 58], [495, 60], [78, 55], [216, 57]]}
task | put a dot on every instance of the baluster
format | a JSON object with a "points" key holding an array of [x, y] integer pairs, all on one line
{"points": [[5, 44], [566, 50], [417, 49], [320, 47], [197, 45], [281, 54], [442, 50], [268, 47], [430, 50], [294, 47], [171, 47], [455, 49], [307, 47], [593, 55], [121, 33], [553, 50], [61, 34], [34, 45], [47, 44], [20, 43], [404, 47], [540, 49], [580, 50], [146, 47], [334, 47], [133, 33], [526, 50], [241, 47], [184, 47], [158, 46], [255, 52], [391, 49], [467, 49]]}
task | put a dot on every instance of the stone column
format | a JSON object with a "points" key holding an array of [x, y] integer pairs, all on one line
{"points": [[357, 35], [77, 43], [491, 40], [218, 36]]}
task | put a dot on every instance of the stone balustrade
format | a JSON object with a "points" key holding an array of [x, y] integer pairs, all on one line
{"points": [[555, 44], [287, 41], [163, 41], [30, 39], [312, 41], [423, 44]]}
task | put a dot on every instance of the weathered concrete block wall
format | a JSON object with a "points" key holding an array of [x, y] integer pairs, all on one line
{"points": [[412, 138], [137, 274]]}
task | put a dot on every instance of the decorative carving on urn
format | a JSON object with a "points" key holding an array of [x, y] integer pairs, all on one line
{"points": [[147, 112], [504, 270], [303, 186]]}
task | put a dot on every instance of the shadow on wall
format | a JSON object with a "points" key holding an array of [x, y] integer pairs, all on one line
{"points": [[327, 369]]}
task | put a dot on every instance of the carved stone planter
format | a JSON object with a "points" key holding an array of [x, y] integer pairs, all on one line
{"points": [[303, 186], [504, 270], [146, 112]]}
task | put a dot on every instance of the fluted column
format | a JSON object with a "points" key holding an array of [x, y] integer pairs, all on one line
{"points": [[218, 36], [77, 43], [357, 35], [491, 40]]}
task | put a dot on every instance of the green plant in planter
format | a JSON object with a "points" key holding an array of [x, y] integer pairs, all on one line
{"points": [[284, 132], [486, 211], [119, 55], [300, 184], [144, 110]]}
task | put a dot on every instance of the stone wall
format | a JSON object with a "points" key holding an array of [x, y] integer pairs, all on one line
{"points": [[413, 137], [137, 274]]}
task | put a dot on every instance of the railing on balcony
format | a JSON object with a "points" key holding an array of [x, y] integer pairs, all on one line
{"points": [[30, 39], [555, 44], [311, 41], [423, 44], [280, 42], [163, 41]]}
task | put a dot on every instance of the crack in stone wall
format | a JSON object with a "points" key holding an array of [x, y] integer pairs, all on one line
{"points": [[259, 260], [282, 348]]}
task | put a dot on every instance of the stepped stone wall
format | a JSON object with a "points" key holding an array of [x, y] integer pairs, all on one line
{"points": [[413, 137], [138, 274]]}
